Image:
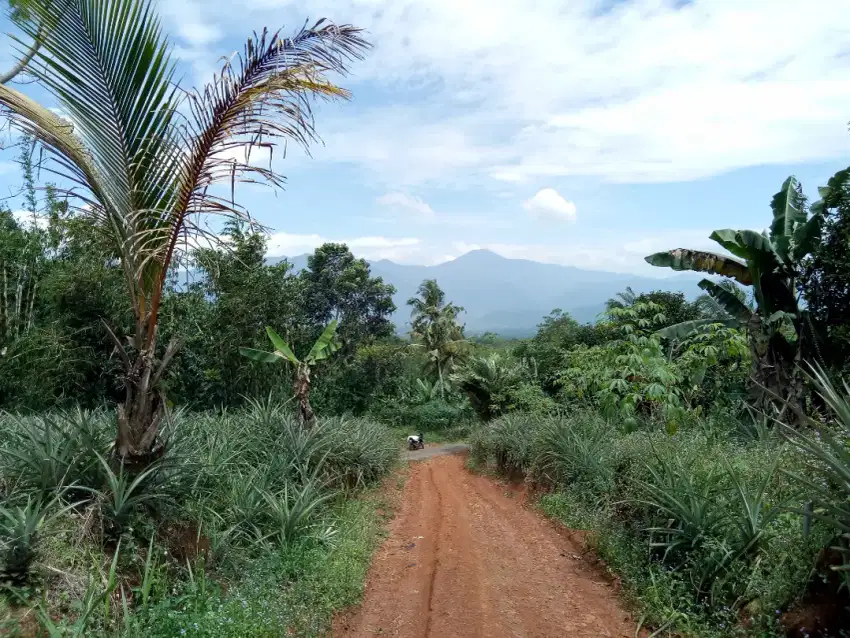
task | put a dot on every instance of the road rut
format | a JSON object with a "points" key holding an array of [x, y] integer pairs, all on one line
{"points": [[465, 559]]}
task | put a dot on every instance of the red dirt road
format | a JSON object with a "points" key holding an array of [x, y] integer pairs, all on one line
{"points": [[465, 560]]}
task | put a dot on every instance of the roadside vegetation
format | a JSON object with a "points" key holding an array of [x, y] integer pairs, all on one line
{"points": [[163, 471], [704, 445]]}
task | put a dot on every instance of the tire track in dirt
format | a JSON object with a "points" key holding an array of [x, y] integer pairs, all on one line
{"points": [[435, 562], [463, 559]]}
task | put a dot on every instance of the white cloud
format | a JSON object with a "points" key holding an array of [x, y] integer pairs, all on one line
{"points": [[508, 176], [638, 91], [250, 154], [400, 249], [461, 247], [409, 202], [381, 242], [25, 219], [549, 203], [199, 34], [191, 21]]}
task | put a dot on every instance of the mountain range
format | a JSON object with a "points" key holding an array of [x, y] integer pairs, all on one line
{"points": [[511, 296]]}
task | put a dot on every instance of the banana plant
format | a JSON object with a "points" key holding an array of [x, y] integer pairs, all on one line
{"points": [[324, 347], [770, 263]]}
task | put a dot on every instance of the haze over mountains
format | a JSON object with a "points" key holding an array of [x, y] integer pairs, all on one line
{"points": [[511, 296]]}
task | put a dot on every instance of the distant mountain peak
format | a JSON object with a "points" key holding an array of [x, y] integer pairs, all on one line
{"points": [[511, 296], [482, 252], [479, 255]]}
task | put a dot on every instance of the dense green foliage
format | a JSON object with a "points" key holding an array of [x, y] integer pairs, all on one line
{"points": [[238, 501], [826, 279], [779, 328], [702, 526], [703, 443], [639, 426]]}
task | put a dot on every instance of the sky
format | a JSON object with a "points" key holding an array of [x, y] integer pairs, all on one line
{"points": [[588, 133]]}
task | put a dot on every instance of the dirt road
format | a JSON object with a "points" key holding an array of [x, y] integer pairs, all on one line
{"points": [[435, 450], [464, 558]]}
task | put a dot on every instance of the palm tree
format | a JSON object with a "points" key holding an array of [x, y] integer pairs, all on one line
{"points": [[430, 305], [778, 327], [487, 378], [434, 325], [622, 299], [144, 156]]}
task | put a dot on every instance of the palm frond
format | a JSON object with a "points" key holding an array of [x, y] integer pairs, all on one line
{"points": [[265, 100], [144, 166], [109, 66]]}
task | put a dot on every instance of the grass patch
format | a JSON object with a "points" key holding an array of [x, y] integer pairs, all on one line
{"points": [[292, 591]]}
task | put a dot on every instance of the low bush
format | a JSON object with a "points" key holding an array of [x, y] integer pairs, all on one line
{"points": [[251, 487], [702, 526], [431, 415]]}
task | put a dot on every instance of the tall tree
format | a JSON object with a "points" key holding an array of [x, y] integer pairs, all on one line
{"points": [[235, 293], [435, 328], [145, 155], [23, 244], [62, 356], [771, 263], [825, 283], [338, 286]]}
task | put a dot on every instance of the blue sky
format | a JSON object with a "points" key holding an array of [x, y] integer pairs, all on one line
{"points": [[587, 133]]}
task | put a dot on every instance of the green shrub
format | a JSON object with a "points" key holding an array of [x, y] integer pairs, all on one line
{"points": [[435, 414], [250, 486], [123, 494], [20, 526], [297, 587], [825, 472], [700, 525], [508, 442], [575, 450], [44, 454], [360, 451]]}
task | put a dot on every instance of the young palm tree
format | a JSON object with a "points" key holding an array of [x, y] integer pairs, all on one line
{"points": [[143, 156], [434, 324], [622, 299]]}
